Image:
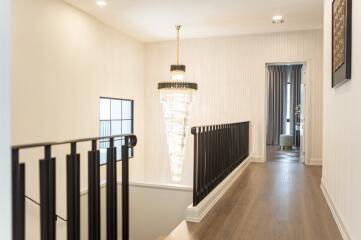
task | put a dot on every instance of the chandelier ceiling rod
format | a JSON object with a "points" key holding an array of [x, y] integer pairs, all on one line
{"points": [[178, 27]]}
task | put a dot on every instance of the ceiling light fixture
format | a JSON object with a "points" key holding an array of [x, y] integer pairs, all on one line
{"points": [[277, 19], [101, 3], [177, 97]]}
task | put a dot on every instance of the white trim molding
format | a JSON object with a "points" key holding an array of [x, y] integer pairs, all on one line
{"points": [[307, 72], [341, 226], [165, 186], [258, 159], [197, 213], [314, 162], [5, 119]]}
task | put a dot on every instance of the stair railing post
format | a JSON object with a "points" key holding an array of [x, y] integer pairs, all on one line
{"points": [[125, 189], [94, 192], [73, 193], [48, 195], [111, 191], [18, 196]]}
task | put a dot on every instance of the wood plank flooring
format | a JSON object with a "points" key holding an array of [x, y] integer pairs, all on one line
{"points": [[275, 154], [276, 200]]}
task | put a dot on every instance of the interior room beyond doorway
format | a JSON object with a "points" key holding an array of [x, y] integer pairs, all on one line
{"points": [[285, 112]]}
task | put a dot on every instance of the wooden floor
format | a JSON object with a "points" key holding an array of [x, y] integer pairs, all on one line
{"points": [[276, 200], [275, 154]]}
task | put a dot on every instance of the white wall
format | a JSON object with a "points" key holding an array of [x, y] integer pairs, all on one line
{"points": [[63, 60], [230, 72], [164, 208], [5, 163], [342, 130]]}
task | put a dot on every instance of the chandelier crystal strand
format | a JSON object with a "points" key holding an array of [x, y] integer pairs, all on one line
{"points": [[177, 97]]}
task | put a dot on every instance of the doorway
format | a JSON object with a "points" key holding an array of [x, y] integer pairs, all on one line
{"points": [[285, 112]]}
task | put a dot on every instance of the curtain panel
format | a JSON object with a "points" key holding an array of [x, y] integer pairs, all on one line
{"points": [[277, 102]]}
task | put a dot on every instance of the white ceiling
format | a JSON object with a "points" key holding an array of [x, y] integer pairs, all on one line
{"points": [[154, 20]]}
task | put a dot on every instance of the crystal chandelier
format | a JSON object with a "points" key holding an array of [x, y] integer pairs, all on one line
{"points": [[177, 97]]}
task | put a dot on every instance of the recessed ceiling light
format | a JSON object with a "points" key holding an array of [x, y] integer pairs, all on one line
{"points": [[101, 3], [277, 19]]}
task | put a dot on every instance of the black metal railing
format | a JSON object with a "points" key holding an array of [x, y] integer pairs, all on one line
{"points": [[218, 150], [47, 184]]}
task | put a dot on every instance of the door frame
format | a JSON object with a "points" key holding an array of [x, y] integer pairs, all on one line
{"points": [[5, 121], [307, 115]]}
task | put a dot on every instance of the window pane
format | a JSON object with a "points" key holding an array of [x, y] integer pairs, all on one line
{"points": [[116, 109], [103, 145], [116, 127], [103, 156], [118, 145], [116, 117], [126, 109], [104, 128], [288, 112], [104, 109], [126, 126]]}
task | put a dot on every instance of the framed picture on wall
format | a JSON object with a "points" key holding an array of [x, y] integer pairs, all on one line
{"points": [[341, 41]]}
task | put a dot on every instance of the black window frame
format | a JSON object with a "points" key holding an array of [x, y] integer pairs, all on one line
{"points": [[131, 153]]}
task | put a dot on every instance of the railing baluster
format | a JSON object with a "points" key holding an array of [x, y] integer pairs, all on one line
{"points": [[111, 192], [246, 137], [206, 160], [195, 164], [200, 163], [18, 208], [94, 192], [213, 157], [125, 189], [217, 147], [48, 196], [73, 194]]}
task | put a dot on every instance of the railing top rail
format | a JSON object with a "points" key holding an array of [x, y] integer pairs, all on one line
{"points": [[132, 141], [193, 129]]}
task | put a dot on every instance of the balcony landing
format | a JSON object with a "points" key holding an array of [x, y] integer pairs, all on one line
{"points": [[271, 201]]}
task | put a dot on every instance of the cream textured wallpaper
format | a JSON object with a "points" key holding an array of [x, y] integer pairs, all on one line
{"points": [[341, 176], [230, 72]]}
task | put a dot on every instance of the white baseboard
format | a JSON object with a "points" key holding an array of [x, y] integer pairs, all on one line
{"points": [[336, 216], [154, 185], [197, 213], [314, 162], [257, 159]]}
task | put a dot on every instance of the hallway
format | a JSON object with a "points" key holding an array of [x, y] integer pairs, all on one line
{"points": [[275, 200]]}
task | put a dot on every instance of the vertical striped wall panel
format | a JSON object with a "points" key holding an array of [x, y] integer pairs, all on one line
{"points": [[230, 72]]}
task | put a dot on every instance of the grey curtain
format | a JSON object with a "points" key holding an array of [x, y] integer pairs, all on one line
{"points": [[295, 79], [277, 102]]}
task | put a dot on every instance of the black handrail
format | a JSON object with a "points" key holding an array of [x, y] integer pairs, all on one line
{"points": [[218, 150], [47, 185], [132, 141]]}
